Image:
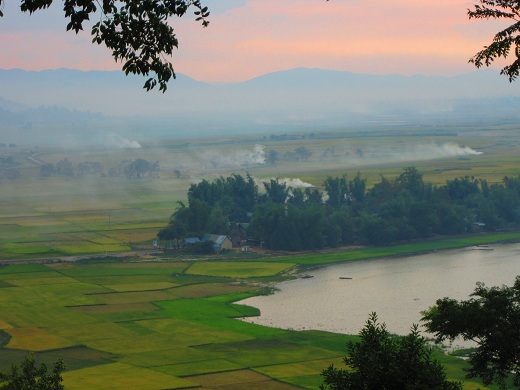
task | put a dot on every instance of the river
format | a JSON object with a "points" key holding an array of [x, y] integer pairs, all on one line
{"points": [[396, 288]]}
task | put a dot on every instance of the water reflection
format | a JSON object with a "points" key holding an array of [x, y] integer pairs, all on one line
{"points": [[398, 289]]}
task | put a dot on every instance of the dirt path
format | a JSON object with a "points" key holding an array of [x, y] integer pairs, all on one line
{"points": [[72, 259]]}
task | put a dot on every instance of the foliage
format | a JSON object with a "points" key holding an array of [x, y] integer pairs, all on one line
{"points": [[491, 317], [31, 377], [174, 233], [275, 191], [399, 210], [504, 39], [382, 361], [140, 168], [137, 31]]}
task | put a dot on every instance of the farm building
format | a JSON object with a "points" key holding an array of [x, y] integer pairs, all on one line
{"points": [[219, 242]]}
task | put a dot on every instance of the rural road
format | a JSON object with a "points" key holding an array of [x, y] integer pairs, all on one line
{"points": [[72, 259]]}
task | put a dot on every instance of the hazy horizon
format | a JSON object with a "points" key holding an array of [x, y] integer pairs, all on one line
{"points": [[71, 106], [247, 38]]}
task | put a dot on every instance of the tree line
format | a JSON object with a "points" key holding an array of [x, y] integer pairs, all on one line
{"points": [[131, 169], [346, 211]]}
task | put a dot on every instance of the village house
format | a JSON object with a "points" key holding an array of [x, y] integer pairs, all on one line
{"points": [[219, 242]]}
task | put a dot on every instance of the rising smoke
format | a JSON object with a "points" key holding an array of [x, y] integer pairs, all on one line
{"points": [[290, 183], [420, 152], [113, 140], [237, 158], [434, 151]]}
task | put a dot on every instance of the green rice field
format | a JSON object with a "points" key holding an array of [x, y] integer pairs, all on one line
{"points": [[175, 330], [157, 321]]}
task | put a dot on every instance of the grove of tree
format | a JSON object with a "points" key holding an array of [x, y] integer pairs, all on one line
{"points": [[399, 210]]}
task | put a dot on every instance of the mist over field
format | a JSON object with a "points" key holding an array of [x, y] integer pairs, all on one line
{"points": [[66, 106]]}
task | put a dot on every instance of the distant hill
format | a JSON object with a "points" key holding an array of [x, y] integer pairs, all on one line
{"points": [[66, 100]]}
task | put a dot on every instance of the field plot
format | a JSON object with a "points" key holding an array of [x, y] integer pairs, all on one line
{"points": [[184, 336], [150, 336], [119, 376], [237, 269]]}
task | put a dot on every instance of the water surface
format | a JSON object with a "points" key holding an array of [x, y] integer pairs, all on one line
{"points": [[397, 288]]}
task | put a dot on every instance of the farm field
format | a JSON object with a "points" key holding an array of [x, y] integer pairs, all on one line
{"points": [[166, 321], [100, 214], [160, 324]]}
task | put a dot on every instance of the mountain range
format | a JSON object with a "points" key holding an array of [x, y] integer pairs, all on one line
{"points": [[54, 104]]}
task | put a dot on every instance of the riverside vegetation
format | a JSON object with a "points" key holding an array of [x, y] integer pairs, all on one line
{"points": [[169, 320], [293, 219]]}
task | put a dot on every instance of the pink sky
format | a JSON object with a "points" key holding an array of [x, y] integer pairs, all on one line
{"points": [[248, 38]]}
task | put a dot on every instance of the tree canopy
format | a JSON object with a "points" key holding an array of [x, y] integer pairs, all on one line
{"points": [[136, 31], [403, 209], [31, 377], [491, 318], [385, 362], [504, 39]]}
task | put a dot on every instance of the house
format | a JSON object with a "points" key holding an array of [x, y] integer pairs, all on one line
{"points": [[219, 242], [238, 234]]}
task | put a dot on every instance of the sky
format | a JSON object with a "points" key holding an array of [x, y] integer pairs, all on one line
{"points": [[248, 38]]}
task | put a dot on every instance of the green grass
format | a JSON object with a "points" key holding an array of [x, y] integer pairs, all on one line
{"points": [[386, 251], [120, 269], [237, 269]]}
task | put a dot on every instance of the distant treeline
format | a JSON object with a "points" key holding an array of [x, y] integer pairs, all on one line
{"points": [[131, 169], [8, 167], [402, 209]]}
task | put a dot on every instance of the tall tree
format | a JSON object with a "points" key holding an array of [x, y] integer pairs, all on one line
{"points": [[217, 223], [276, 191], [491, 318], [385, 362], [136, 31], [411, 180], [337, 190]]}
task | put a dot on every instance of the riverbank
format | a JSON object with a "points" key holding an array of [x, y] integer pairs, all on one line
{"points": [[410, 249]]}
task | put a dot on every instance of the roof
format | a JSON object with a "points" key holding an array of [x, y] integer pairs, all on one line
{"points": [[215, 238], [220, 239], [191, 240]]}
